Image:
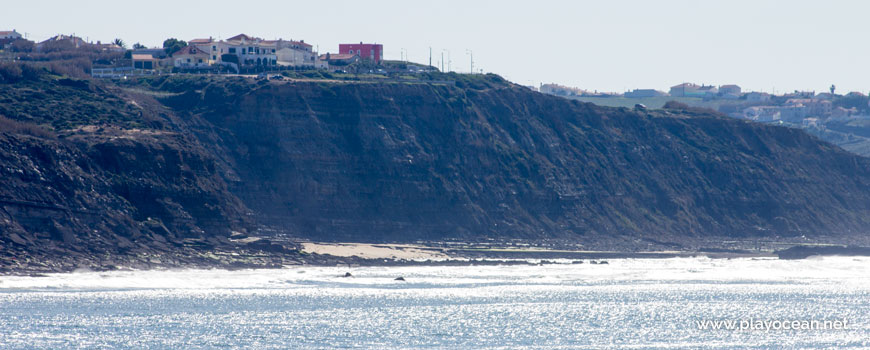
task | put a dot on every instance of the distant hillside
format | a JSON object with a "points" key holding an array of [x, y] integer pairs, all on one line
{"points": [[852, 134], [162, 161]]}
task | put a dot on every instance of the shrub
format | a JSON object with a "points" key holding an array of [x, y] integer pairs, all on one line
{"points": [[10, 72], [16, 127], [21, 45], [675, 105]]}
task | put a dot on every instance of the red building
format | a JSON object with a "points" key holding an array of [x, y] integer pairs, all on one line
{"points": [[373, 52]]}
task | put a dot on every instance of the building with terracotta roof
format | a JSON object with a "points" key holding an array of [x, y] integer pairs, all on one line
{"points": [[191, 57], [200, 41], [244, 51], [153, 52], [145, 61], [296, 54], [242, 37], [10, 34]]}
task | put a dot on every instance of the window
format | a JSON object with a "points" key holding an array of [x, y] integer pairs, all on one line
{"points": [[213, 57], [214, 48], [232, 50]]}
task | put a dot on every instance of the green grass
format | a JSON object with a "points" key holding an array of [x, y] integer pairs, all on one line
{"points": [[656, 102]]}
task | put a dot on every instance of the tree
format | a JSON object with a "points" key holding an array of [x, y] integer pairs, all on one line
{"points": [[172, 45], [138, 46], [856, 101], [119, 42], [21, 45]]}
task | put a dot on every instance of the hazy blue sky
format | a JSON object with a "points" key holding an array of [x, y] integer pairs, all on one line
{"points": [[597, 45]]}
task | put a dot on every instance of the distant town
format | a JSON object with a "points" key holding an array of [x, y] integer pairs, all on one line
{"points": [[796, 106], [240, 54], [840, 118]]}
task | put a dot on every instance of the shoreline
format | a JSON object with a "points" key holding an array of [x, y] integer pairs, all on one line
{"points": [[397, 254]]}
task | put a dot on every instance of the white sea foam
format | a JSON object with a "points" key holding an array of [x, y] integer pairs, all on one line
{"points": [[628, 303], [835, 269]]}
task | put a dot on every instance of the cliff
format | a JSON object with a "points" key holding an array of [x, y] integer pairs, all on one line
{"points": [[180, 159]]}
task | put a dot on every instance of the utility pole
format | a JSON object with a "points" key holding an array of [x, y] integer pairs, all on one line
{"points": [[448, 61], [430, 56], [471, 64], [442, 60]]}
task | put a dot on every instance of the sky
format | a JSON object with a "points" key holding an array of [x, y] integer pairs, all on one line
{"points": [[612, 46]]}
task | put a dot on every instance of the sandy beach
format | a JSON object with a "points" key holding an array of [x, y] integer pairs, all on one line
{"points": [[376, 251]]}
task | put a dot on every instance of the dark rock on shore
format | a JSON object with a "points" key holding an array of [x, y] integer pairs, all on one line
{"points": [[803, 252]]}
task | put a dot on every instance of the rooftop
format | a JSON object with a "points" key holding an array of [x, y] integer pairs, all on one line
{"points": [[190, 50], [337, 56], [137, 56]]}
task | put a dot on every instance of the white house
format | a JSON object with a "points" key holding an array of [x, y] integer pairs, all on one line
{"points": [[10, 34], [244, 50], [248, 51], [693, 90], [762, 113]]}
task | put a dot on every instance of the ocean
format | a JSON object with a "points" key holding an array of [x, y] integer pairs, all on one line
{"points": [[625, 304]]}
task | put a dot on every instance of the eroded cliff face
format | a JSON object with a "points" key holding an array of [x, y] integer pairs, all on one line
{"points": [[154, 166], [117, 181], [363, 161]]}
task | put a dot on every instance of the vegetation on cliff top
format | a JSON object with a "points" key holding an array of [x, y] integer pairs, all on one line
{"points": [[39, 96]]}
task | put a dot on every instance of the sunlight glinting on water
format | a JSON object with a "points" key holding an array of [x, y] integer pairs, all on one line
{"points": [[626, 303]]}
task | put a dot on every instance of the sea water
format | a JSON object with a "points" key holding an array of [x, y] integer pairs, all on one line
{"points": [[628, 303]]}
